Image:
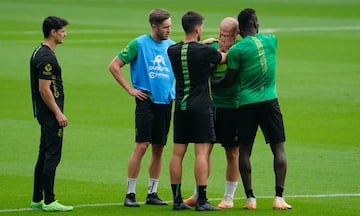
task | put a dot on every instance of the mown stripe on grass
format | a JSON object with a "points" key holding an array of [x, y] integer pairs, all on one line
{"points": [[265, 30]]}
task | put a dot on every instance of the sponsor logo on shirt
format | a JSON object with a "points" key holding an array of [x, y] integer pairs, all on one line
{"points": [[47, 70], [159, 69]]}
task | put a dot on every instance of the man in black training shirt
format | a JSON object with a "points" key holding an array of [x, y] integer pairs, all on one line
{"points": [[48, 105], [192, 64]]}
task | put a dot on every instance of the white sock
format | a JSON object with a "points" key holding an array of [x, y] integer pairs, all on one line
{"points": [[131, 185], [153, 184], [230, 189]]}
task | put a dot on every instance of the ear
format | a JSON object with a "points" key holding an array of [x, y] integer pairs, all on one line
{"points": [[198, 29], [53, 32]]}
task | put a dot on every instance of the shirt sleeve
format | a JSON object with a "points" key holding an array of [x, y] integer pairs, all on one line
{"points": [[232, 59], [129, 53], [46, 67], [214, 56]]}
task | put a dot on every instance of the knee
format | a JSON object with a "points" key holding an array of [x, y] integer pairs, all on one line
{"points": [[140, 148], [232, 154], [280, 158]]}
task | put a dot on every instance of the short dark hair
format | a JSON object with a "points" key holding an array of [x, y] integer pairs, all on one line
{"points": [[53, 22], [191, 19], [247, 19], [158, 16]]}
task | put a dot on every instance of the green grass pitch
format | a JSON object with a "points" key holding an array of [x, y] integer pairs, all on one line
{"points": [[318, 88]]}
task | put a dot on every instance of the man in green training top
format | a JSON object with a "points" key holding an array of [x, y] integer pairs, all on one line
{"points": [[252, 63]]}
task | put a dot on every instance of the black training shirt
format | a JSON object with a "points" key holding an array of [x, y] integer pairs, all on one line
{"points": [[44, 65]]}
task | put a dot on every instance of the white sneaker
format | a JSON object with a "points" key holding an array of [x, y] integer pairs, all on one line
{"points": [[250, 203], [191, 201], [280, 204], [227, 202]]}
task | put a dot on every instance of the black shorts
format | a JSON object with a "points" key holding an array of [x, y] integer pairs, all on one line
{"points": [[267, 115], [192, 126], [226, 126], [152, 122]]}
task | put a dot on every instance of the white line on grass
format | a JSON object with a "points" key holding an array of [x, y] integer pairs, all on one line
{"points": [[213, 199], [311, 29]]}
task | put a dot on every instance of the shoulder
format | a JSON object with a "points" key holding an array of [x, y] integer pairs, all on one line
{"points": [[44, 53], [140, 39], [175, 46], [171, 42], [202, 46], [214, 44], [267, 36], [167, 43]]}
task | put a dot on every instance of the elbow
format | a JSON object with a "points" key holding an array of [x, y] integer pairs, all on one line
{"points": [[113, 69], [110, 68]]}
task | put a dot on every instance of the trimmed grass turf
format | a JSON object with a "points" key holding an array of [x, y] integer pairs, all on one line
{"points": [[318, 76]]}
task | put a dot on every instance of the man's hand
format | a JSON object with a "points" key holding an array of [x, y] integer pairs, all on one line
{"points": [[138, 94], [62, 120], [209, 40], [226, 41]]}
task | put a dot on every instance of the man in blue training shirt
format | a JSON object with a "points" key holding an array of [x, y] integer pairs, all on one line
{"points": [[153, 88]]}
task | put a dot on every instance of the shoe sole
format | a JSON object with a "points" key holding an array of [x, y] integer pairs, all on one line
{"points": [[281, 208], [57, 210], [250, 207], [180, 208], [159, 204], [207, 209], [223, 206], [132, 206]]}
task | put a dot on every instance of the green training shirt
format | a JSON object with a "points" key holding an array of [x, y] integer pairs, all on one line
{"points": [[255, 59], [224, 97]]}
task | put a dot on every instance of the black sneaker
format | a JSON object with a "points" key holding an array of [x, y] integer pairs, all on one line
{"points": [[153, 199], [180, 206], [205, 207], [130, 200]]}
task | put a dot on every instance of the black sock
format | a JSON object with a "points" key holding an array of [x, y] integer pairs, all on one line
{"points": [[202, 194], [176, 190], [279, 191], [249, 193]]}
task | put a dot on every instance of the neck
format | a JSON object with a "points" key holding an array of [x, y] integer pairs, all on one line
{"points": [[51, 44], [248, 33], [154, 37], [192, 37]]}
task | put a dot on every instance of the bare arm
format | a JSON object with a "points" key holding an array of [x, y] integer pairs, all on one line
{"points": [[115, 68], [48, 98], [209, 40]]}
